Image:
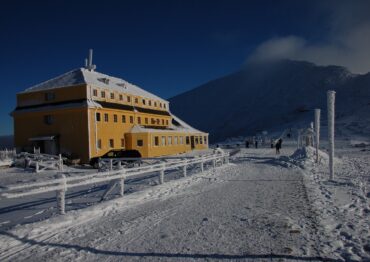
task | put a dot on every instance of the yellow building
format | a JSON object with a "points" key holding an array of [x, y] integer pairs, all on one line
{"points": [[84, 114]]}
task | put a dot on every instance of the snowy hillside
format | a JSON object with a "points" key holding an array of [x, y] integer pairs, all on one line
{"points": [[267, 96]]}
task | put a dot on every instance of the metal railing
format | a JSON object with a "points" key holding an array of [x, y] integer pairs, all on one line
{"points": [[61, 184], [7, 154]]}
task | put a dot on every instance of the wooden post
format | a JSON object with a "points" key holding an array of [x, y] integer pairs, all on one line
{"points": [[121, 186], [161, 175], [37, 167], [60, 162], [331, 117], [61, 194], [317, 132]]}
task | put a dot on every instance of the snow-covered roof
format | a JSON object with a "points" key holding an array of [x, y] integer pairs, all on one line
{"points": [[84, 76], [182, 127]]}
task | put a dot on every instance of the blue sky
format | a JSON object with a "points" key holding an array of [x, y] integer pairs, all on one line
{"points": [[166, 47]]}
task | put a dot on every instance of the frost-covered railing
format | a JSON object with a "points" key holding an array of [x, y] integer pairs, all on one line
{"points": [[7, 154], [62, 183], [42, 162]]}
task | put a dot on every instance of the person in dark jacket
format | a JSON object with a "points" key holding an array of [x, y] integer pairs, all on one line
{"points": [[256, 143], [278, 146], [247, 143]]}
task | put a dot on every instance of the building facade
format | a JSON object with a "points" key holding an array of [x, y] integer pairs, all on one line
{"points": [[83, 114]]}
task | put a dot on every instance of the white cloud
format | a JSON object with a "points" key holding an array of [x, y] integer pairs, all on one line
{"points": [[347, 43]]}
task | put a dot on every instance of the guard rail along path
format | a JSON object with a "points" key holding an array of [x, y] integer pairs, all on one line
{"points": [[61, 184]]}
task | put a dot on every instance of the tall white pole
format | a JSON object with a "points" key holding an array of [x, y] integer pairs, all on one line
{"points": [[317, 132], [331, 114]]}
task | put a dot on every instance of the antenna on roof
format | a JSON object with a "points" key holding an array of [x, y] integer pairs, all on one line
{"points": [[88, 62]]}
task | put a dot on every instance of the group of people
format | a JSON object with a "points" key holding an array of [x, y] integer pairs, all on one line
{"points": [[276, 144]]}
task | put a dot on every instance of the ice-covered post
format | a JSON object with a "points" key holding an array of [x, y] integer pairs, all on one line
{"points": [[110, 164], [119, 164], [37, 167], [61, 195], [214, 162], [60, 162], [202, 165], [317, 132], [331, 115], [161, 175], [184, 171], [122, 185]]}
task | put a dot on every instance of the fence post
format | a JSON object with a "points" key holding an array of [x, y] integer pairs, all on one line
{"points": [[331, 116], [122, 185], [60, 162], [184, 171], [61, 195], [37, 167], [317, 132], [202, 166], [119, 164], [111, 164], [161, 175], [214, 163]]}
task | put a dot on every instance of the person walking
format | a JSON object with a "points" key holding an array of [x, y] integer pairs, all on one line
{"points": [[278, 146]]}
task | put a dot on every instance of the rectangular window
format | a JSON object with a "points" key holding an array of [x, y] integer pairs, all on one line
{"points": [[106, 117], [200, 140], [95, 92], [170, 140], [111, 143], [120, 97], [139, 120], [115, 119], [102, 94], [139, 142], [129, 99], [163, 140], [167, 122], [143, 101], [164, 105], [48, 119], [146, 121], [155, 104], [160, 105], [136, 100], [162, 121], [175, 140], [123, 119], [181, 140], [157, 121], [196, 140], [150, 102], [98, 145], [111, 95], [153, 121], [97, 117], [49, 96], [205, 140], [122, 142], [187, 140], [156, 141], [131, 119]]}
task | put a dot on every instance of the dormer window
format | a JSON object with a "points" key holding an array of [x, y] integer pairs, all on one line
{"points": [[122, 85], [104, 80]]}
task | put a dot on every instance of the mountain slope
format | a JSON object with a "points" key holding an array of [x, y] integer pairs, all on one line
{"points": [[266, 96]]}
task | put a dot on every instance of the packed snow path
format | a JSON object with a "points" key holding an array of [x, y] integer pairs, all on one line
{"points": [[253, 209]]}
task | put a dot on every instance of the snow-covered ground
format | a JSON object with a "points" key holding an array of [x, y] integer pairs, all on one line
{"points": [[259, 207]]}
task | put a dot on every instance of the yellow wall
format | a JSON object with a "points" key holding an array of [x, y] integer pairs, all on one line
{"points": [[69, 124], [60, 94]]}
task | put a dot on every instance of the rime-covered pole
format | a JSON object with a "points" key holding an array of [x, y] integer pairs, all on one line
{"points": [[331, 115], [61, 195], [317, 132]]}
